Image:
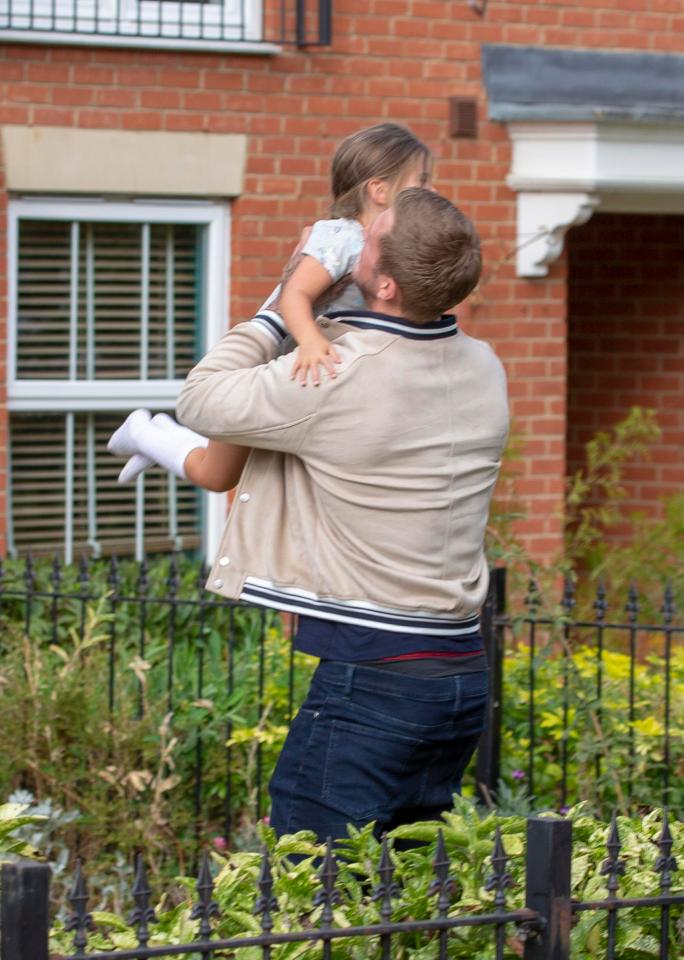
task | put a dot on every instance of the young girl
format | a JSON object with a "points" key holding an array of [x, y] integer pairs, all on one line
{"points": [[368, 170]]}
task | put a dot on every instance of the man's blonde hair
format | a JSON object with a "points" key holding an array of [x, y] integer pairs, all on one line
{"points": [[432, 253], [385, 151]]}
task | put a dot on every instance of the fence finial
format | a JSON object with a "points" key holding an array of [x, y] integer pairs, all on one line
{"points": [[56, 573], [113, 576], [84, 572], [142, 914], [29, 573], [665, 864], [668, 608], [80, 920], [266, 901], [500, 879], [206, 907], [613, 867], [532, 598], [442, 884], [143, 581], [386, 889], [172, 579], [600, 603], [632, 605], [568, 598], [328, 894], [202, 574]]}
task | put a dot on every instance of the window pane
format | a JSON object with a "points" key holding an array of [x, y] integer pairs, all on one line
{"points": [[103, 514], [135, 303], [115, 286], [43, 300], [174, 307]]}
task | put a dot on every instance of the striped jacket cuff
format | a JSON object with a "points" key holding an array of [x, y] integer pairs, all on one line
{"points": [[271, 322]]}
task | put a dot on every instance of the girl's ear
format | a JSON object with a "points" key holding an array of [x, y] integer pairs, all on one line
{"points": [[378, 192]]}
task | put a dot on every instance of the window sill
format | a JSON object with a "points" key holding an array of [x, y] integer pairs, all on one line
{"points": [[30, 396], [248, 47]]}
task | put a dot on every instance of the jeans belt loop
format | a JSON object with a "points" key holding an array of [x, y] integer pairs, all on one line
{"points": [[349, 680]]}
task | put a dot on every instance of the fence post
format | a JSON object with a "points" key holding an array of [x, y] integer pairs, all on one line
{"points": [[24, 921], [488, 764], [547, 886]]}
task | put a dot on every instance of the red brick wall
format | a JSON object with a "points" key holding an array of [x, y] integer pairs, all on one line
{"points": [[626, 343], [394, 59]]}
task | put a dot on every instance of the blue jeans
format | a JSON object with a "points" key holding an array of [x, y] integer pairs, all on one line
{"points": [[371, 744]]}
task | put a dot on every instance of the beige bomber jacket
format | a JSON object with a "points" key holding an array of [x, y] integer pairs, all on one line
{"points": [[365, 499]]}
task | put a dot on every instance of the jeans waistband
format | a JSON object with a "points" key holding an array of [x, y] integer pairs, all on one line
{"points": [[349, 676]]}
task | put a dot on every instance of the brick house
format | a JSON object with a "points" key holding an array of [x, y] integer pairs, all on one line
{"points": [[158, 159]]}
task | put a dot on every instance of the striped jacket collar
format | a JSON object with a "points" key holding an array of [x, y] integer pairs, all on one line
{"points": [[446, 326]]}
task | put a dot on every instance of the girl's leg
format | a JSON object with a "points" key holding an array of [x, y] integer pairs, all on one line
{"points": [[159, 440], [217, 466], [190, 456]]}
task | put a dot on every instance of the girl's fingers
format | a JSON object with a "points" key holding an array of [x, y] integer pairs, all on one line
{"points": [[329, 366], [302, 367]]}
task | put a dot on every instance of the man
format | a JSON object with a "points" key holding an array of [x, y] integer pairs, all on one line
{"points": [[362, 508]]}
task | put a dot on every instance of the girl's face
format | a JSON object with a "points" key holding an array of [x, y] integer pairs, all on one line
{"points": [[418, 173], [380, 193]]}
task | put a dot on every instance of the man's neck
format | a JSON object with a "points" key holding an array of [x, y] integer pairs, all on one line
{"points": [[391, 308]]}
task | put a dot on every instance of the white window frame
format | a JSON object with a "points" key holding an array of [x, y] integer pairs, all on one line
{"points": [[183, 24], [71, 395]]}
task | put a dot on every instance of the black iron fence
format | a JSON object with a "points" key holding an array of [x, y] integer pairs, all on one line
{"points": [[541, 930], [585, 706], [130, 683], [201, 24], [139, 670]]}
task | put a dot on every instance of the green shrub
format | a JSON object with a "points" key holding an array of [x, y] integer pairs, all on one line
{"points": [[469, 842], [611, 763], [14, 817], [126, 757], [649, 553]]}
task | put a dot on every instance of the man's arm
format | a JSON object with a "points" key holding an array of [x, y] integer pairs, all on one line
{"points": [[241, 392]]}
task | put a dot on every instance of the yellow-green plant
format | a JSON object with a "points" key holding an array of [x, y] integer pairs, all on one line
{"points": [[14, 816], [611, 762], [469, 839]]}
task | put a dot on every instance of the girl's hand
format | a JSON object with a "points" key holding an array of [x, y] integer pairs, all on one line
{"points": [[311, 354]]}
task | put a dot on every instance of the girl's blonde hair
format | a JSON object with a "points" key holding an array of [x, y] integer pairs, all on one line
{"points": [[383, 151]]}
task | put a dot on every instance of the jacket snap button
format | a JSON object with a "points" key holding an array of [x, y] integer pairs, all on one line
{"points": [[244, 497], [218, 584], [224, 561]]}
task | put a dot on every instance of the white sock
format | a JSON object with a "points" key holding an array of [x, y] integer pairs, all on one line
{"points": [[122, 442], [135, 465], [165, 442]]}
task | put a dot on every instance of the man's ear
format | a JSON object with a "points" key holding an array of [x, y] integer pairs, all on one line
{"points": [[378, 191], [387, 288]]}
